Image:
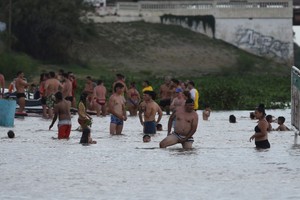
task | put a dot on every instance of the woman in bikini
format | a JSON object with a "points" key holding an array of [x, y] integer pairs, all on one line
{"points": [[261, 130]]}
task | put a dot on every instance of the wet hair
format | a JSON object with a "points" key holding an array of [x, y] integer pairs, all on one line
{"points": [[120, 76], [52, 74], [232, 119], [85, 136], [58, 96], [99, 82], [10, 134], [192, 83], [269, 118], [83, 97], [151, 93], [188, 101], [252, 115], [158, 126], [19, 72], [132, 84], [187, 94], [118, 85], [175, 81], [206, 106], [146, 137], [281, 119], [147, 82], [261, 109]]}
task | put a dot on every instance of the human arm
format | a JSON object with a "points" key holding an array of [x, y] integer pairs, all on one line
{"points": [[124, 113], [194, 125], [159, 111], [55, 117], [141, 111], [170, 122]]}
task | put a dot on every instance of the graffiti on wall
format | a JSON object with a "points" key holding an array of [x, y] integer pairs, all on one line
{"points": [[261, 44]]}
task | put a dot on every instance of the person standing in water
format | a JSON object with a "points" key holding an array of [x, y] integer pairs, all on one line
{"points": [[185, 126], [261, 130], [116, 106], [62, 111]]}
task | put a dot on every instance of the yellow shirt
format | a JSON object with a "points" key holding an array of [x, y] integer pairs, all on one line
{"points": [[148, 88]]}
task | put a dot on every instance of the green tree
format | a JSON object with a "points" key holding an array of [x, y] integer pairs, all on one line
{"points": [[47, 29]]}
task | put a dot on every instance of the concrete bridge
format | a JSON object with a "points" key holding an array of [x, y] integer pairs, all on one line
{"points": [[262, 27]]}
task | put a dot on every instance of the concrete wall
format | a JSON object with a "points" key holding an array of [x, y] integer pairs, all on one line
{"points": [[263, 27]]}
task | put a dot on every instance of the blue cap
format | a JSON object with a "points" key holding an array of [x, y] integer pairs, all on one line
{"points": [[178, 90]]}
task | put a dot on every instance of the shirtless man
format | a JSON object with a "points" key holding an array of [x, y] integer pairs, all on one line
{"points": [[89, 90], [52, 85], [165, 93], [21, 84], [120, 79], [100, 98], [2, 84], [66, 88], [179, 100], [149, 108], [116, 106], [62, 111], [185, 127]]}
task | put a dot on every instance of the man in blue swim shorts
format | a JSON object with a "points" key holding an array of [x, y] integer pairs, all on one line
{"points": [[149, 108], [116, 105], [185, 127]]}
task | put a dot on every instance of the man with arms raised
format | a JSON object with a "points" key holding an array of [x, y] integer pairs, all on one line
{"points": [[62, 111], [116, 106], [52, 85], [150, 108], [21, 84], [185, 126]]}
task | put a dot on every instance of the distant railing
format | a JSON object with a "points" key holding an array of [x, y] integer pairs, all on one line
{"points": [[200, 5], [295, 98]]}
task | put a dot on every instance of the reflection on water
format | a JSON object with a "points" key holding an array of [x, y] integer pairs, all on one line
{"points": [[222, 165]]}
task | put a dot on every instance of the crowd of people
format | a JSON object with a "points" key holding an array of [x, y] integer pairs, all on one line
{"points": [[179, 100]]}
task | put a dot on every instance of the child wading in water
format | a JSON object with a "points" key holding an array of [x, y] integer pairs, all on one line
{"points": [[281, 126]]}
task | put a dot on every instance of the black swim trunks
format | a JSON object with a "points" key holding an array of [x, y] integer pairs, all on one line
{"points": [[165, 102], [262, 144], [20, 95]]}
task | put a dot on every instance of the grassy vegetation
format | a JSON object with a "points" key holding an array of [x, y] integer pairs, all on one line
{"points": [[226, 77]]}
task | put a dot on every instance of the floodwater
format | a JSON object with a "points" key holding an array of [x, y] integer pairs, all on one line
{"points": [[223, 164]]}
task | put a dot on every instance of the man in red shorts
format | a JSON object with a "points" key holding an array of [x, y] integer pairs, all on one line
{"points": [[62, 110]]}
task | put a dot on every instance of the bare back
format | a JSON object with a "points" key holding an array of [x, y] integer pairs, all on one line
{"points": [[62, 109], [152, 108], [100, 92], [67, 88], [52, 86]]}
